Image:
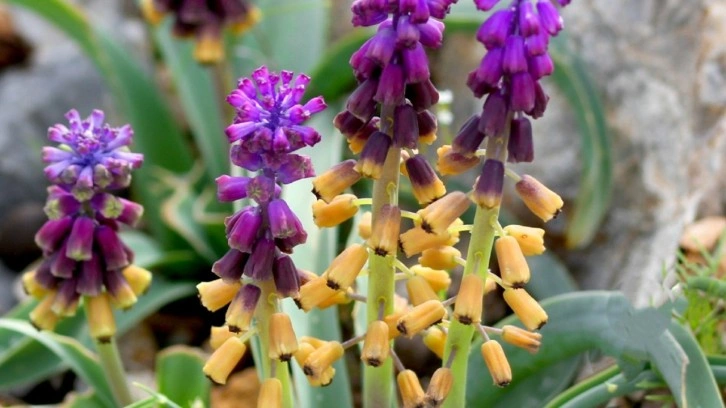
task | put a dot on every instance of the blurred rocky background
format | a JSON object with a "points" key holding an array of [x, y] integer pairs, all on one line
{"points": [[659, 67]]}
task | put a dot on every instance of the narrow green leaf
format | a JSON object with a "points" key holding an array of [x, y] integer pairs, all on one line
{"points": [[86, 400], [596, 182], [712, 286], [81, 361], [147, 251], [180, 377], [28, 361], [151, 402]]}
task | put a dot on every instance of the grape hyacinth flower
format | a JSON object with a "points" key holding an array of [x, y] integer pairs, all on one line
{"points": [[205, 20], [267, 130], [83, 255]]}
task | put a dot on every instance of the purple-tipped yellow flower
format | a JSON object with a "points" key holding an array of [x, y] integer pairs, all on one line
{"points": [[543, 202], [427, 187], [335, 180], [283, 343], [373, 155], [386, 228], [452, 163], [242, 308], [490, 184], [205, 20], [437, 216]]}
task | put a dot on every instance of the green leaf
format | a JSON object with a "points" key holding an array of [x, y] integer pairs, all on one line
{"points": [[317, 253], [199, 97], [81, 361], [27, 361], [578, 322], [596, 182], [147, 251], [151, 402], [86, 400], [712, 286], [333, 77], [180, 377], [290, 36]]}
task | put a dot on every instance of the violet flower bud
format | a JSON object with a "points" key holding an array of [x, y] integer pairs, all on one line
{"points": [[493, 116], [259, 264], [230, 266], [405, 127], [469, 138], [283, 222], [285, 274], [113, 250], [490, 185], [520, 146]]}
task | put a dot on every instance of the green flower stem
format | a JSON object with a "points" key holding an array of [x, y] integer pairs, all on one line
{"points": [[460, 335], [114, 369], [265, 309], [378, 381], [484, 230]]}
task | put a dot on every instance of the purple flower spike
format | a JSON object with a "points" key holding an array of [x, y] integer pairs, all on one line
{"points": [[488, 189], [528, 20], [283, 222], [392, 85], [550, 17], [52, 233], [405, 127], [469, 138], [485, 5], [90, 282], [91, 154], [494, 114], [494, 32], [514, 57], [522, 98]]}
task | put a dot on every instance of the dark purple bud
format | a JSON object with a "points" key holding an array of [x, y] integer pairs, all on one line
{"points": [[427, 126], [494, 114], [90, 282], [114, 254], [283, 222], [259, 264], [405, 127], [563, 3], [284, 272], [231, 188], [66, 299], [43, 274], [515, 59], [373, 155], [491, 67], [295, 167], [485, 5], [522, 88], [107, 204], [230, 266], [520, 146], [478, 87], [243, 228], [537, 44], [391, 86], [416, 64], [431, 33], [361, 103], [80, 240], [496, 29], [242, 157], [469, 138], [490, 184], [549, 17], [407, 34], [528, 19], [131, 212], [422, 95], [347, 123], [540, 101], [261, 189], [540, 66], [52, 233], [382, 46], [421, 12]]}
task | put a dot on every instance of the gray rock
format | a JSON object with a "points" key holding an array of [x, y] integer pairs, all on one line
{"points": [[7, 293]]}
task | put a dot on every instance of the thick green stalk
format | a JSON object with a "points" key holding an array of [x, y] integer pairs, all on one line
{"points": [[265, 309], [459, 336], [378, 381], [477, 261], [113, 368]]}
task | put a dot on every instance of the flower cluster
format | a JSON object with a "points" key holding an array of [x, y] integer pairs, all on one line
{"points": [[267, 129], [205, 20], [83, 254]]}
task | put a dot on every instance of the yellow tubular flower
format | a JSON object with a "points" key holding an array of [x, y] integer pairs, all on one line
{"points": [[138, 278], [340, 209], [440, 257], [376, 344], [218, 336], [421, 317], [497, 363], [530, 240], [365, 225], [439, 387], [335, 180], [438, 279], [283, 343], [452, 163], [469, 301], [270, 394], [217, 293], [440, 214], [526, 308], [419, 290], [386, 228], [313, 293], [32, 287], [340, 298], [101, 323], [435, 340], [322, 358], [416, 240], [521, 338], [346, 267], [512, 265], [209, 49], [412, 394], [224, 360]]}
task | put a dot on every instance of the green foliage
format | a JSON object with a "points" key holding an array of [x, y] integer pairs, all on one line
{"points": [[180, 378]]}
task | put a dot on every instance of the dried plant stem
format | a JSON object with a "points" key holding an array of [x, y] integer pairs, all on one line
{"points": [[378, 381]]}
